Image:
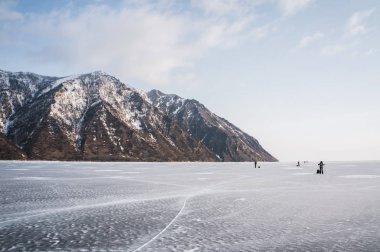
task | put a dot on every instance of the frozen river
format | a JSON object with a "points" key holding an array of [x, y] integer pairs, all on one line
{"points": [[65, 206]]}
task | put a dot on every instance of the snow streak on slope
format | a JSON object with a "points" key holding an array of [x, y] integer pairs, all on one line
{"points": [[16, 91], [224, 139], [70, 105], [124, 101]]}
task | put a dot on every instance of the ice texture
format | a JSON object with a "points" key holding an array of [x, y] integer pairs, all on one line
{"points": [[88, 206]]}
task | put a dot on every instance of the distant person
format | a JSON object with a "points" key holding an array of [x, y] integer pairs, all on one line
{"points": [[298, 164], [321, 164], [255, 163]]}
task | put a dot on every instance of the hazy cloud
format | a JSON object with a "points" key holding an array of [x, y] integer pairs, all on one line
{"points": [[218, 7], [356, 24], [263, 31], [371, 52], [155, 42], [306, 40], [143, 41], [291, 7], [6, 13]]}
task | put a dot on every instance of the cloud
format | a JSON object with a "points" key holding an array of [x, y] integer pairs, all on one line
{"points": [[291, 7], [6, 13], [218, 7], [356, 24], [263, 31], [370, 52], [227, 7], [307, 40], [144, 41]]}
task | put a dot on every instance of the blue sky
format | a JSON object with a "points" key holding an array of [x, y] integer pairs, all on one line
{"points": [[302, 76]]}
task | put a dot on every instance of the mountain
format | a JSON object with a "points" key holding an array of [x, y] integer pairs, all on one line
{"points": [[224, 139], [8, 151], [97, 117]]}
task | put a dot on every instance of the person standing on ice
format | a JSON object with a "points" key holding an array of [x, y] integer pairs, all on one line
{"points": [[321, 164], [298, 164], [255, 163]]}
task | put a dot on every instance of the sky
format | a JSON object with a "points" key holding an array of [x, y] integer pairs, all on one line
{"points": [[301, 76]]}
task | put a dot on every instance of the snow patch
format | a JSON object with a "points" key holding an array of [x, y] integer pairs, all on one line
{"points": [[56, 83]]}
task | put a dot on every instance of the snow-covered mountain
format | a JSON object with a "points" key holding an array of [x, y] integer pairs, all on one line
{"points": [[96, 117], [224, 139]]}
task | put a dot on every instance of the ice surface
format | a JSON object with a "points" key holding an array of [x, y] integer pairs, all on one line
{"points": [[63, 206]]}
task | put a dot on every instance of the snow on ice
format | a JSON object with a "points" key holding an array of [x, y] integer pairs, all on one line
{"points": [[72, 206]]}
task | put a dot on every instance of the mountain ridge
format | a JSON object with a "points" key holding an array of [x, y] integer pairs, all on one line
{"points": [[95, 116]]}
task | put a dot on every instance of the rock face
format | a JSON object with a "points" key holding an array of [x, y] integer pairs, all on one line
{"points": [[9, 151], [96, 117], [221, 137]]}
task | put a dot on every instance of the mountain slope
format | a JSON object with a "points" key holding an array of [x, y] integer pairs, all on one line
{"points": [[16, 91], [96, 117], [8, 150], [221, 137]]}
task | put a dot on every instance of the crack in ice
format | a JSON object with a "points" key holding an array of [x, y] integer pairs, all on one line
{"points": [[82, 207], [167, 226], [201, 192]]}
